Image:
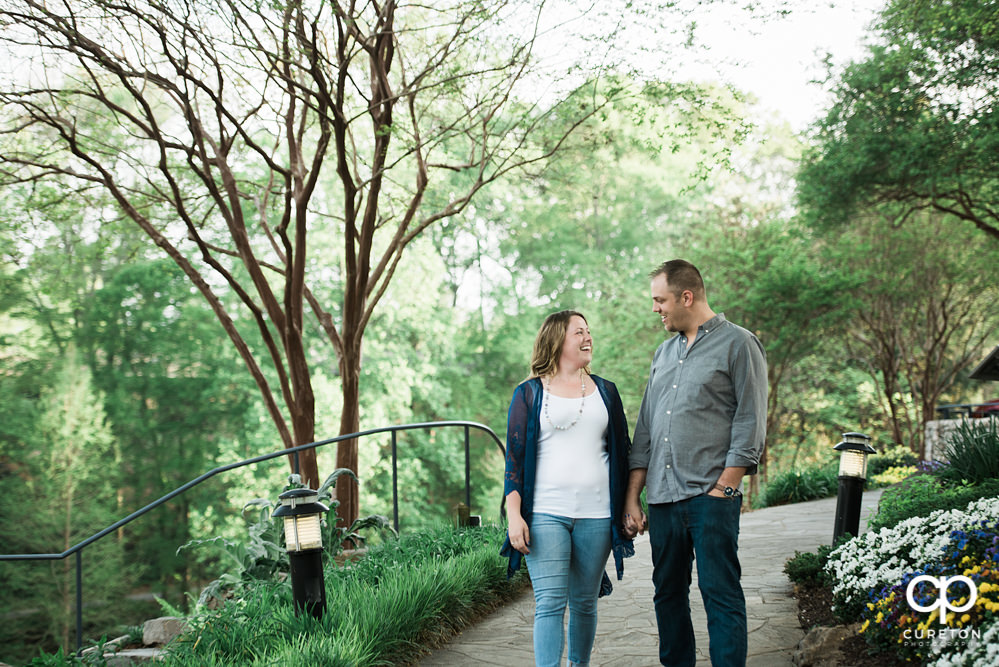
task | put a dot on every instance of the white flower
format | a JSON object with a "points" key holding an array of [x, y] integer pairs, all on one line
{"points": [[881, 558], [980, 650]]}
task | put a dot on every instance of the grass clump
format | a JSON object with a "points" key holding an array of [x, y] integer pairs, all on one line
{"points": [[404, 595], [795, 486], [972, 452]]}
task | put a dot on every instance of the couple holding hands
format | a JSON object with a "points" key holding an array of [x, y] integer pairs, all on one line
{"points": [[574, 477]]}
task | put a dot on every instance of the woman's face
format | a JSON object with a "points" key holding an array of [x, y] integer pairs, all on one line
{"points": [[577, 348]]}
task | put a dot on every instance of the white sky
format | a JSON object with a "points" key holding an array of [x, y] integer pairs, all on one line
{"points": [[782, 56]]}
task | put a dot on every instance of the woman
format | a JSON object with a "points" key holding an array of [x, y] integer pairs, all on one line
{"points": [[566, 472]]}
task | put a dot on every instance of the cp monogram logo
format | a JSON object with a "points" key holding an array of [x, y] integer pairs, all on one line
{"points": [[942, 601]]}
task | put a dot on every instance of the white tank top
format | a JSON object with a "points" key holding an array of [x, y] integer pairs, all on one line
{"points": [[573, 475]]}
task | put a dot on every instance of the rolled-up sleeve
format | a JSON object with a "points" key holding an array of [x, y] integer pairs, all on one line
{"points": [[641, 442], [749, 380], [704, 409]]}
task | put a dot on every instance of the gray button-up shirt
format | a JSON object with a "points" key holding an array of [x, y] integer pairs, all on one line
{"points": [[704, 409]]}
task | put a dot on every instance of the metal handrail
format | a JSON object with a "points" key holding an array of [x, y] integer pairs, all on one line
{"points": [[78, 548]]}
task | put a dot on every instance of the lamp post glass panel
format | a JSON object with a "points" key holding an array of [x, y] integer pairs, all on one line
{"points": [[853, 450], [302, 514]]}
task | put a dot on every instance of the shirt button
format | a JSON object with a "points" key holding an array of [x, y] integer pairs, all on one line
{"points": [[668, 466], [669, 412], [681, 361], [674, 386], [665, 439]]}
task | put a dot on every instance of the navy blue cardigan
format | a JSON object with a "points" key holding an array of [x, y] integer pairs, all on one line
{"points": [[523, 421]]}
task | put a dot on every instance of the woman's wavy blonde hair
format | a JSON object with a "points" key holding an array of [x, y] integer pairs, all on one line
{"points": [[548, 344]]}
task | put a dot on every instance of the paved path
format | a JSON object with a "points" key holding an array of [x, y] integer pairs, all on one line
{"points": [[626, 630]]}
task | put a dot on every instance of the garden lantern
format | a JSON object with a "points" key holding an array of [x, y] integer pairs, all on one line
{"points": [[302, 514], [853, 453]]}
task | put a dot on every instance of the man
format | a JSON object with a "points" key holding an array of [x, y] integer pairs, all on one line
{"points": [[701, 427]]}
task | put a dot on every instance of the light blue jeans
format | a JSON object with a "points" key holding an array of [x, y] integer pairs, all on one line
{"points": [[566, 564]]}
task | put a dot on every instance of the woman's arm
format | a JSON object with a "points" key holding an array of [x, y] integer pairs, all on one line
{"points": [[519, 534]]}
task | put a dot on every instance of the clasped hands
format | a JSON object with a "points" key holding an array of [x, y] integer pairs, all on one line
{"points": [[635, 522]]}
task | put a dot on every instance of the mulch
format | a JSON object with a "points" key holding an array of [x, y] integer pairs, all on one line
{"points": [[815, 609]]}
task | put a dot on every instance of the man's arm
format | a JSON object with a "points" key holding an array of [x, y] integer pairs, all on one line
{"points": [[749, 423], [731, 476]]}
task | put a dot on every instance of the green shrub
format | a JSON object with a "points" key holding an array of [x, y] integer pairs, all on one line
{"points": [[807, 569], [973, 452], [795, 486], [922, 494], [898, 456], [891, 476]]}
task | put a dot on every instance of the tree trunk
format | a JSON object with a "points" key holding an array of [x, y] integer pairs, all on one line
{"points": [[350, 422]]}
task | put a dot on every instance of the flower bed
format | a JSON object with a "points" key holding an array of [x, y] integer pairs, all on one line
{"points": [[872, 573]]}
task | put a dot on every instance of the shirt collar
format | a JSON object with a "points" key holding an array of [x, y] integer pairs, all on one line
{"points": [[713, 323]]}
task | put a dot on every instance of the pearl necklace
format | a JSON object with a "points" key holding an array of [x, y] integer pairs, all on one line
{"points": [[582, 388]]}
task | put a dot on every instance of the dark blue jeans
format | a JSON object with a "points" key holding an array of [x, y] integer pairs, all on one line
{"points": [[707, 527]]}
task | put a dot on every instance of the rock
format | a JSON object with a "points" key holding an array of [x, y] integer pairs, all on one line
{"points": [[132, 656], [160, 631], [820, 647]]}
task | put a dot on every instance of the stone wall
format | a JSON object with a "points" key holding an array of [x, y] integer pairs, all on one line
{"points": [[938, 432]]}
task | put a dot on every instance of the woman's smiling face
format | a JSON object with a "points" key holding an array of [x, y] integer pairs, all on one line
{"points": [[577, 348]]}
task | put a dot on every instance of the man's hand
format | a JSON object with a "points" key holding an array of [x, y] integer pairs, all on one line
{"points": [[635, 522]]}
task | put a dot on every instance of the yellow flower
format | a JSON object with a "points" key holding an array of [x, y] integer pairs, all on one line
{"points": [[965, 618], [865, 625]]}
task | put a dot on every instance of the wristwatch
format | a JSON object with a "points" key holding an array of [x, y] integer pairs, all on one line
{"points": [[730, 492]]}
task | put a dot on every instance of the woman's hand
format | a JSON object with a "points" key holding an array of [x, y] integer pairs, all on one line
{"points": [[635, 522], [520, 535]]}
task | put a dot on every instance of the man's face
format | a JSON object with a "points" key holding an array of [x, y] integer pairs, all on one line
{"points": [[667, 305]]}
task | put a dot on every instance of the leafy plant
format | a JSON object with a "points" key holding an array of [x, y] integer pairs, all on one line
{"points": [[922, 494], [262, 556], [890, 476], [258, 557], [806, 568], [335, 537], [898, 456], [795, 486], [973, 451]]}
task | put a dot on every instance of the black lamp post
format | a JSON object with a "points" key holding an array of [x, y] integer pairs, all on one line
{"points": [[853, 453], [302, 513]]}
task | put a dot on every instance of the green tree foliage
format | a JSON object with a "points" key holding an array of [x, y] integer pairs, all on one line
{"points": [[66, 473], [769, 277], [232, 133], [915, 124], [921, 311], [175, 394]]}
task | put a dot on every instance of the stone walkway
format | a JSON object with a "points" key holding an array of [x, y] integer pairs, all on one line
{"points": [[626, 630]]}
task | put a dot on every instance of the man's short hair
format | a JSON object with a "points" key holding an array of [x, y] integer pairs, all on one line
{"points": [[681, 275]]}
